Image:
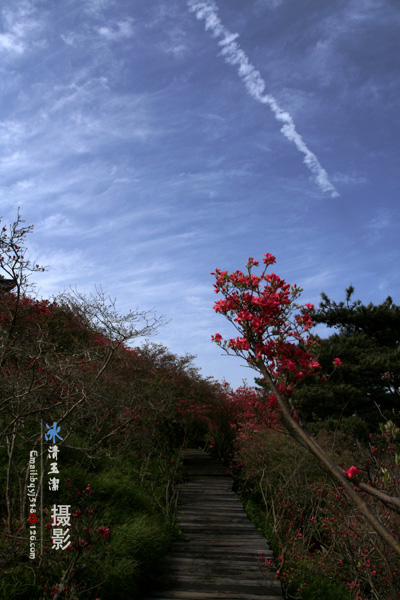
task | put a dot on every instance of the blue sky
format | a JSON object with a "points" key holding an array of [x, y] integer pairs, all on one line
{"points": [[148, 145]]}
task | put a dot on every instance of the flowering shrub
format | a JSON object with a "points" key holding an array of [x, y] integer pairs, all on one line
{"points": [[263, 310], [274, 339], [320, 525], [68, 361], [227, 418], [318, 532], [352, 472], [103, 531]]}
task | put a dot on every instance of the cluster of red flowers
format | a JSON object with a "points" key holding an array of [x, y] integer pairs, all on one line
{"points": [[262, 308], [352, 472], [103, 531]]}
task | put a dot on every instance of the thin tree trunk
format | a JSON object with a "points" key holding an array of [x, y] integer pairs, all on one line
{"points": [[333, 470]]}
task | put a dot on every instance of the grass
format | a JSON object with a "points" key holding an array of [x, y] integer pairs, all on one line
{"points": [[306, 581], [112, 566]]}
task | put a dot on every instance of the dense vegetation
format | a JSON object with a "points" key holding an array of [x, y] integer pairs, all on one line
{"points": [[317, 453], [367, 339], [125, 412], [116, 409]]}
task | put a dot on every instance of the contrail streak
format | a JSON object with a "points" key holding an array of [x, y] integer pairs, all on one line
{"points": [[255, 85]]}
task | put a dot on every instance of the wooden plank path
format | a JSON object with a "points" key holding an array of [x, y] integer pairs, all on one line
{"points": [[219, 557]]}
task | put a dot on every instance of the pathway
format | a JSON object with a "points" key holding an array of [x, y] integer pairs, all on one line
{"points": [[218, 558]]}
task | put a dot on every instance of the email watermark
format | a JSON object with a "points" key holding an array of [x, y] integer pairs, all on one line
{"points": [[60, 512], [32, 500]]}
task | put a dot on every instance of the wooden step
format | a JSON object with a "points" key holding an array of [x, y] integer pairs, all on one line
{"points": [[218, 556]]}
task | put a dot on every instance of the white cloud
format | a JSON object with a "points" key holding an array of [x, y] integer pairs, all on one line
{"points": [[20, 23], [255, 85], [11, 43], [382, 221], [96, 7], [71, 39], [328, 56], [65, 268], [268, 4], [11, 132], [350, 178], [25, 185], [175, 43], [16, 159], [381, 225], [59, 122], [56, 222], [120, 30]]}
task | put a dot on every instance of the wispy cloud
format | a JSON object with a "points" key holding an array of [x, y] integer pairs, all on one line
{"points": [[18, 24], [255, 85], [10, 42], [268, 3], [330, 57], [381, 227], [350, 178], [96, 7], [117, 31], [175, 43]]}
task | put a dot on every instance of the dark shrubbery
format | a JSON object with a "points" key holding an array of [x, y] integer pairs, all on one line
{"points": [[68, 362]]}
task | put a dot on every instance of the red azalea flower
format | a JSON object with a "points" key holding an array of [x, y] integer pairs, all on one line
{"points": [[352, 472], [217, 338]]}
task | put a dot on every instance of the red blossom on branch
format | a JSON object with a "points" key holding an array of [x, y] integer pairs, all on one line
{"points": [[103, 531], [274, 339], [262, 309], [352, 472], [217, 338], [269, 259], [338, 363]]}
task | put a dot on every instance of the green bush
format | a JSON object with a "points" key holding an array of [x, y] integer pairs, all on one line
{"points": [[323, 546]]}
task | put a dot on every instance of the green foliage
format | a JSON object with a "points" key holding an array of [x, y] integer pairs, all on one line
{"points": [[139, 534], [17, 583], [68, 361], [119, 564], [313, 585], [317, 586], [134, 560], [368, 343], [380, 322], [354, 427], [323, 547]]}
